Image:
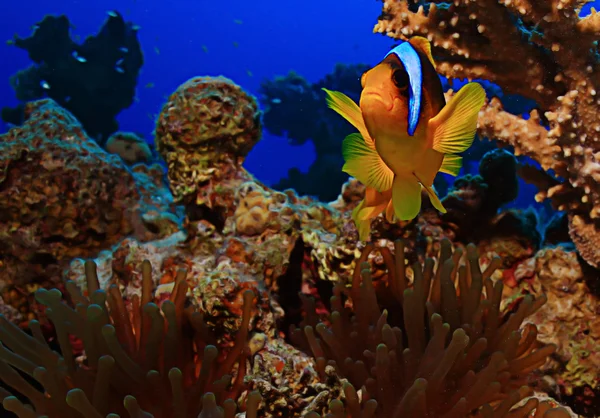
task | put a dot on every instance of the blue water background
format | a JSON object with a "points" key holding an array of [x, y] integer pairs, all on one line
{"points": [[243, 40]]}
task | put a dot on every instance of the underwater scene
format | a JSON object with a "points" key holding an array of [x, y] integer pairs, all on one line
{"points": [[336, 209]]}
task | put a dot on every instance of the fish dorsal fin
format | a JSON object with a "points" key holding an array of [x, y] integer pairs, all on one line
{"points": [[452, 131], [423, 45], [365, 164], [350, 111], [451, 164]]}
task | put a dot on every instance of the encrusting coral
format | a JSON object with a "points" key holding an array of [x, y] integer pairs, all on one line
{"points": [[543, 51], [144, 357], [63, 196], [130, 147], [207, 123], [440, 348]]}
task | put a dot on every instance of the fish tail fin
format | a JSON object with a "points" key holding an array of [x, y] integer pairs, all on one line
{"points": [[406, 197]]}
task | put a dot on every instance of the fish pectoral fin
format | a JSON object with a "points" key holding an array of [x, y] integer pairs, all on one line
{"points": [[451, 164], [423, 45], [435, 200], [453, 129], [365, 164], [406, 197], [350, 111]]}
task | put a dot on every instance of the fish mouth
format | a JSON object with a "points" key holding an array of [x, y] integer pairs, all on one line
{"points": [[374, 95], [371, 93]]}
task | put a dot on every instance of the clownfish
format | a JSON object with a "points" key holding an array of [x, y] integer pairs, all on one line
{"points": [[407, 133]]}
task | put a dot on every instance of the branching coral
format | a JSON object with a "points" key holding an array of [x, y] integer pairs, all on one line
{"points": [[543, 51], [440, 348], [145, 357]]}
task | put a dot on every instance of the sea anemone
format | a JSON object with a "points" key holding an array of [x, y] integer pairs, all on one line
{"points": [[143, 358], [441, 347]]}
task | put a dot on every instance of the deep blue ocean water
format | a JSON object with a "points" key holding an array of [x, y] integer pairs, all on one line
{"points": [[243, 40]]}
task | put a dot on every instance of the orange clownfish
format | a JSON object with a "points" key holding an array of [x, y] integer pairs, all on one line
{"points": [[407, 133]]}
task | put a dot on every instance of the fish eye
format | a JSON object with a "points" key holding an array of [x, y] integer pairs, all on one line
{"points": [[400, 78]]}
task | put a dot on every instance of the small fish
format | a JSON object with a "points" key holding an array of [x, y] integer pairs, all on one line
{"points": [[119, 69], [124, 50], [235, 44], [78, 57], [136, 28], [10, 42], [205, 49], [249, 73], [149, 85], [276, 100], [44, 84], [408, 133], [237, 21], [119, 61], [157, 50], [112, 13]]}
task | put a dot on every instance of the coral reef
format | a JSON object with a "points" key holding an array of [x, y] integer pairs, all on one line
{"points": [[441, 346], [94, 80], [473, 203], [130, 147], [542, 51], [208, 123], [62, 196], [568, 320], [143, 355], [235, 237]]}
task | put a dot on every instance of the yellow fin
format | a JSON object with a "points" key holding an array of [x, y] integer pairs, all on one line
{"points": [[350, 111], [364, 230], [406, 197], [372, 205], [453, 129], [362, 222], [365, 164], [435, 200], [451, 164], [389, 213], [423, 45]]}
